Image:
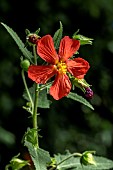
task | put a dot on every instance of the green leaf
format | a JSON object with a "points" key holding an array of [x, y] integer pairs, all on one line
{"points": [[19, 42], [80, 99], [57, 36], [73, 163], [39, 156], [103, 163], [43, 102]]}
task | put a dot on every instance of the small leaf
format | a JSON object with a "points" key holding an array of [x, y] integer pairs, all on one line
{"points": [[57, 36], [31, 136], [80, 99], [19, 42]]}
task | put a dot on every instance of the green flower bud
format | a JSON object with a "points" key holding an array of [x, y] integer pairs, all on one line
{"points": [[83, 40], [17, 164], [80, 83], [25, 64], [28, 104], [87, 158]]}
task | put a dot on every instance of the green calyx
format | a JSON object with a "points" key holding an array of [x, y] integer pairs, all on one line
{"points": [[80, 83], [16, 163], [87, 158], [83, 39]]}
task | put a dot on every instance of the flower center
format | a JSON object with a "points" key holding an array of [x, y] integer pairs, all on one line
{"points": [[61, 67]]}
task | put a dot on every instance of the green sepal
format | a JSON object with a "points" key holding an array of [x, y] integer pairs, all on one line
{"points": [[27, 31], [80, 83], [37, 31], [87, 158], [83, 39]]}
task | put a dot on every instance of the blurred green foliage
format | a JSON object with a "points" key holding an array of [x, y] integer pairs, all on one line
{"points": [[67, 124]]}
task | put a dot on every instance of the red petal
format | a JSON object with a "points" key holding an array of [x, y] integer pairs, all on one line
{"points": [[68, 47], [46, 50], [61, 86], [78, 67], [41, 74]]}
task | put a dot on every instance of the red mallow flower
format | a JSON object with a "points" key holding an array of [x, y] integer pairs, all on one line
{"points": [[58, 65]]}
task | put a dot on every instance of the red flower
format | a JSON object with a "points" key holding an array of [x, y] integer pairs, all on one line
{"points": [[59, 65]]}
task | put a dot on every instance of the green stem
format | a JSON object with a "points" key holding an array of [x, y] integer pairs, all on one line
{"points": [[35, 56], [35, 125], [27, 90], [35, 121], [74, 154]]}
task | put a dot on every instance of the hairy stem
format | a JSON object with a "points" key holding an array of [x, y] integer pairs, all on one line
{"points": [[35, 120]]}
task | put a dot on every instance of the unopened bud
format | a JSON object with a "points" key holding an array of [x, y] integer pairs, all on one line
{"points": [[89, 93], [25, 64], [83, 40], [80, 83], [17, 163], [33, 38], [87, 158]]}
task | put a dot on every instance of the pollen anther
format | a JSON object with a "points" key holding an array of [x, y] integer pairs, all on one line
{"points": [[61, 67]]}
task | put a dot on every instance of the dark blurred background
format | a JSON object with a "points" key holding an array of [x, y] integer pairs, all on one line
{"points": [[67, 124]]}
